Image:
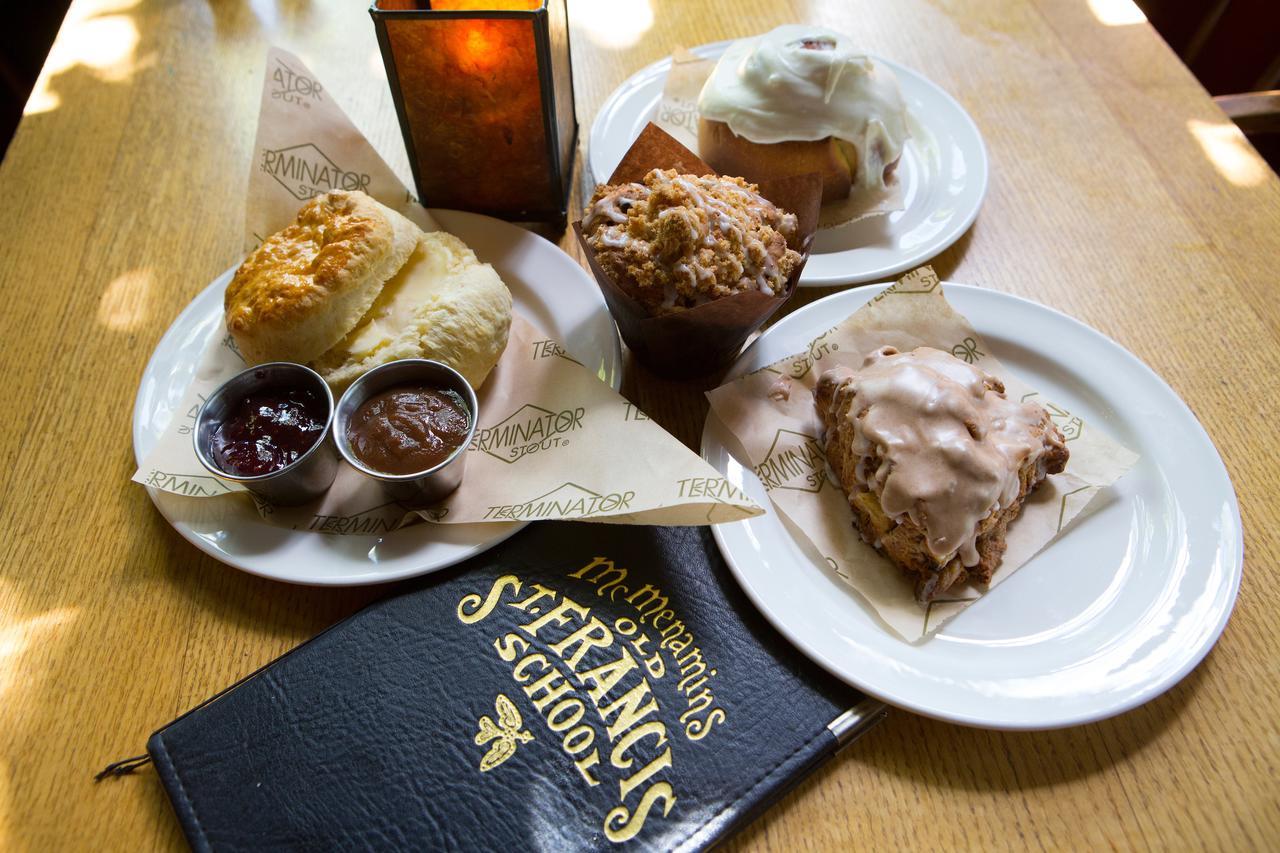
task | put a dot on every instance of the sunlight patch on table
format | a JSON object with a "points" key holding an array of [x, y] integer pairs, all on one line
{"points": [[7, 841], [267, 12], [1229, 152], [96, 36], [1117, 13], [17, 635], [126, 301], [615, 24]]}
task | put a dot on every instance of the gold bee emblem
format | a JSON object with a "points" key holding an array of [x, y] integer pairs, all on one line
{"points": [[507, 733]]}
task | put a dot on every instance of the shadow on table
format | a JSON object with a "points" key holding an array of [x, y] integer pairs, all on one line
{"points": [[936, 754], [246, 602], [927, 754], [945, 264]]}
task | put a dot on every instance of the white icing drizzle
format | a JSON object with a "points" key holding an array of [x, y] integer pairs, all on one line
{"points": [[670, 293], [614, 205], [763, 274], [948, 442], [805, 83], [615, 236]]}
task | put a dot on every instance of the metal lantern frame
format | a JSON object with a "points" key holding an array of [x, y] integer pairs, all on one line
{"points": [[559, 166]]}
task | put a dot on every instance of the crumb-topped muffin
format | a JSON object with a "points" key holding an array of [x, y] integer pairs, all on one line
{"points": [[675, 241]]}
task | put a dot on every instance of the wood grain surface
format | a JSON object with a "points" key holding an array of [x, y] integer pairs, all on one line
{"points": [[1119, 195]]}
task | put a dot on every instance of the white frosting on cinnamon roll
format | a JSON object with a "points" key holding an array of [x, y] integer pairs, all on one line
{"points": [[805, 83]]}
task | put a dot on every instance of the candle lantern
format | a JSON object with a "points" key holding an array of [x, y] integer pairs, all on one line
{"points": [[484, 94]]}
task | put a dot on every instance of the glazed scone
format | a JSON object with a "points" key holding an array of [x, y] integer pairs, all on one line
{"points": [[443, 304], [936, 461], [676, 241], [309, 284]]}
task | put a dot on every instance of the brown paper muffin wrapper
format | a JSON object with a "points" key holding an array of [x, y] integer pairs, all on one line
{"points": [[706, 338]]}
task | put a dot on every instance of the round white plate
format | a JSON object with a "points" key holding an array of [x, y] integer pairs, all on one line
{"points": [[943, 173], [1114, 611], [547, 286]]}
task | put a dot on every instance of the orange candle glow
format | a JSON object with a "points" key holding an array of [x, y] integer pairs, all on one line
{"points": [[485, 101]]}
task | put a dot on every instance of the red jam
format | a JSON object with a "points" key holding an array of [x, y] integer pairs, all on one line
{"points": [[268, 430], [409, 429]]}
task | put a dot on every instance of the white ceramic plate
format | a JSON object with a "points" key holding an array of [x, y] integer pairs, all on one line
{"points": [[943, 170], [1113, 612], [548, 287]]}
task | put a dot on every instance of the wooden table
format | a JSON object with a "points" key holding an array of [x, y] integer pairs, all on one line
{"points": [[1119, 194]]}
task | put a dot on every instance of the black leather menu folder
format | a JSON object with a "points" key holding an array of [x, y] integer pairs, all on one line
{"points": [[580, 686]]}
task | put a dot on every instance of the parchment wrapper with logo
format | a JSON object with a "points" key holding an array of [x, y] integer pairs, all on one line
{"points": [[307, 146], [553, 441], [678, 115], [772, 414], [706, 338]]}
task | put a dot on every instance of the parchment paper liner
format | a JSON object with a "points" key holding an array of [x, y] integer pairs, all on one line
{"points": [[772, 415], [553, 440], [706, 338]]}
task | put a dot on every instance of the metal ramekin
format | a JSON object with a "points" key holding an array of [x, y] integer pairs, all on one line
{"points": [[424, 487], [304, 479]]}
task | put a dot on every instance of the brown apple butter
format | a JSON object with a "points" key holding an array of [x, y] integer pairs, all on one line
{"points": [[409, 429]]}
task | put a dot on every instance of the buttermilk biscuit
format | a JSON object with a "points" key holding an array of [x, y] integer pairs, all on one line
{"points": [[443, 304], [676, 241], [308, 285], [936, 461]]}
